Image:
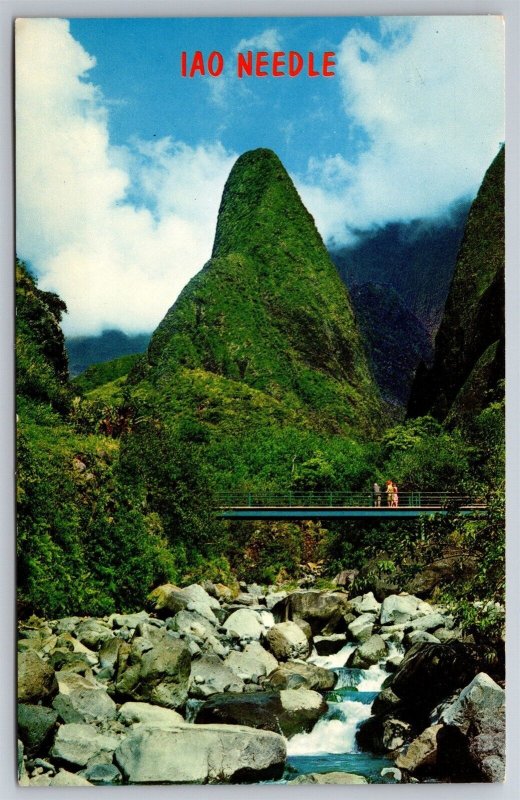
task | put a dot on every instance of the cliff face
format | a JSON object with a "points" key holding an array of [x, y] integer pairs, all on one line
{"points": [[268, 313], [469, 347]]}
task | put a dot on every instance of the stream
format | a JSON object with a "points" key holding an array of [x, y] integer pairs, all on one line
{"points": [[331, 745]]}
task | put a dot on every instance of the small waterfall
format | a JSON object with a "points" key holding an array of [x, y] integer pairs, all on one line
{"points": [[349, 705]]}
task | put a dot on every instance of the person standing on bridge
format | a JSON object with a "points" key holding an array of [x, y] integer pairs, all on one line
{"points": [[389, 493], [395, 498], [377, 494]]}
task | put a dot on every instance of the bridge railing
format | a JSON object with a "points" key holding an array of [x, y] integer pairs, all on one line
{"points": [[344, 500]]}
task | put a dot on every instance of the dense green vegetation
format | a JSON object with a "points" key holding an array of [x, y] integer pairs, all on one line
{"points": [[469, 347], [256, 380]]}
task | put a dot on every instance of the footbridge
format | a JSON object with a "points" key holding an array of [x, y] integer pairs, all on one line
{"points": [[343, 505]]}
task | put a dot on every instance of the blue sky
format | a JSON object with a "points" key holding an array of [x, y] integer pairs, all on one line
{"points": [[121, 162]]}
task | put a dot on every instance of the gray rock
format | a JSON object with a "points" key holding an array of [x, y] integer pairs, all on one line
{"points": [[201, 754], [66, 778], [429, 622], [421, 754], [92, 633], [370, 652], [127, 620], [78, 744], [36, 679], [480, 696], [366, 604], [487, 745], [84, 704], [101, 774], [289, 712], [300, 674], [211, 676], [337, 778], [108, 653], [272, 598], [67, 624], [362, 627], [244, 624], [417, 637], [166, 600], [287, 641], [252, 663], [399, 608], [159, 675], [323, 610], [19, 761], [393, 663], [448, 635], [35, 726], [147, 714], [395, 733], [192, 623]]}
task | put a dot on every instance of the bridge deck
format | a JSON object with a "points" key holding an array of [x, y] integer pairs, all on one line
{"points": [[335, 512], [333, 505]]}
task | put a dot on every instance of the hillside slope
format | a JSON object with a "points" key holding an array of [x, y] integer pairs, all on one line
{"points": [[469, 347]]}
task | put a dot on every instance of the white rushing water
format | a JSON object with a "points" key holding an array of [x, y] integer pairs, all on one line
{"points": [[336, 731]]}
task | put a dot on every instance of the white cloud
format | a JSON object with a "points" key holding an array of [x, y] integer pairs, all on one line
{"points": [[114, 264], [269, 39], [429, 100]]}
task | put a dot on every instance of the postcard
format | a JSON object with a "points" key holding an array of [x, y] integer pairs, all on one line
{"points": [[260, 351]]}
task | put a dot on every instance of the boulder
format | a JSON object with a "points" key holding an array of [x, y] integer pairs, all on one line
{"points": [[101, 774], [328, 645], [35, 726], [82, 699], [66, 778], [430, 622], [273, 598], [244, 624], [130, 621], [36, 679], [66, 624], [337, 778], [362, 627], [318, 608], [145, 713], [210, 675], [399, 608], [192, 623], [287, 641], [370, 652], [109, 652], [299, 674], [289, 712], [92, 633], [480, 696], [166, 600], [366, 604], [487, 745], [430, 672], [253, 663], [421, 754], [71, 662], [157, 674], [384, 734], [418, 637], [78, 744], [201, 754]]}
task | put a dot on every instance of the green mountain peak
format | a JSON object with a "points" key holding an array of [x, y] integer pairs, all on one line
{"points": [[269, 311]]}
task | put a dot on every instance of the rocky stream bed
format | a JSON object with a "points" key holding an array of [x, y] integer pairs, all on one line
{"points": [[210, 686]]}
